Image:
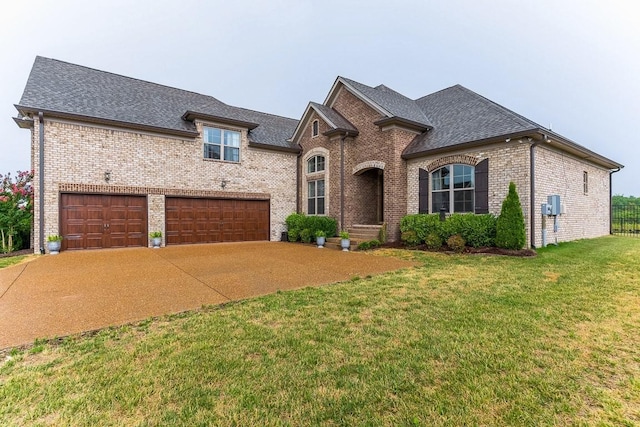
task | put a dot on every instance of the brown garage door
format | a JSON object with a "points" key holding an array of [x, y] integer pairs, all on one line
{"points": [[92, 221], [191, 220]]}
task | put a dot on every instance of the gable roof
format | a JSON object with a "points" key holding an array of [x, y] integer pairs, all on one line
{"points": [[334, 120], [67, 90], [389, 102]]}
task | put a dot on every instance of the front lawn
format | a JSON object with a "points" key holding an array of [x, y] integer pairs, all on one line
{"points": [[461, 340]]}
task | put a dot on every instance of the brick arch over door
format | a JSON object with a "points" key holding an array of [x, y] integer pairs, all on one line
{"points": [[481, 178], [365, 166]]}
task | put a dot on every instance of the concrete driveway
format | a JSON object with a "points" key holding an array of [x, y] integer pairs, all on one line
{"points": [[55, 296]]}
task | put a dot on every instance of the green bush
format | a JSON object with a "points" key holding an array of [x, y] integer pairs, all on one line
{"points": [[305, 235], [410, 238], [510, 231], [456, 243], [371, 244], [296, 223], [476, 230], [433, 241]]}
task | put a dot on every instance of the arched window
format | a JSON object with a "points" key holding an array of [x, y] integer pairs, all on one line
{"points": [[453, 188], [315, 164]]}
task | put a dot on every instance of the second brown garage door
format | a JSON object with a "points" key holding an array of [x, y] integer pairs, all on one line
{"points": [[193, 220]]}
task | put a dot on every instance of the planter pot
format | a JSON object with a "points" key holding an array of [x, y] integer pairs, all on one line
{"points": [[320, 241], [54, 247], [157, 241], [345, 244]]}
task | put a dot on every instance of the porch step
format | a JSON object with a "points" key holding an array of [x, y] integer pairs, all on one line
{"points": [[365, 232]]}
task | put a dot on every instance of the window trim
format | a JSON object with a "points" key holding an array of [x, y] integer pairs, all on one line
{"points": [[451, 191], [315, 128], [222, 144]]}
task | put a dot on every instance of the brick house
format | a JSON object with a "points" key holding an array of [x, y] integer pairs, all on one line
{"points": [[115, 158]]}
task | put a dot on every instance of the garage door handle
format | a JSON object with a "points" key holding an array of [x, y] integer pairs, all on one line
{"points": [[106, 226]]}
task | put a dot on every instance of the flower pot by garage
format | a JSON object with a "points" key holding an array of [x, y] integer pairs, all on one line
{"points": [[345, 244], [320, 240], [157, 241], [54, 247]]}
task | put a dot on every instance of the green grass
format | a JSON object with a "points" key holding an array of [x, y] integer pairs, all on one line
{"points": [[6, 262], [460, 340]]}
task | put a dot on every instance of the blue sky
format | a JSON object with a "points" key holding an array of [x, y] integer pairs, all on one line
{"points": [[570, 65]]}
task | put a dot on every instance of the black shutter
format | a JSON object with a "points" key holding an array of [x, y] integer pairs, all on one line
{"points": [[423, 192], [482, 187]]}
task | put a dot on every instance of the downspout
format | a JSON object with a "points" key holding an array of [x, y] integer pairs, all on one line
{"points": [[346, 135], [298, 185], [41, 179], [532, 203], [611, 200]]}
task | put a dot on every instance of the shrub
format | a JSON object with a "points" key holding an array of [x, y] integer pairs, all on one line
{"points": [[433, 241], [456, 243], [305, 235], [477, 230], [510, 231], [296, 223], [371, 244], [410, 238]]}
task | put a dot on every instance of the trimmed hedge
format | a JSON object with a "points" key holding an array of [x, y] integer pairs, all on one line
{"points": [[305, 227], [476, 230]]}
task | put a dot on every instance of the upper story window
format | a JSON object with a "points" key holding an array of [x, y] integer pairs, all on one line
{"points": [[315, 164], [315, 128], [221, 144], [452, 188]]}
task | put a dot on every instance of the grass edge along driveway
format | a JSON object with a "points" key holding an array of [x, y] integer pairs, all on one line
{"points": [[460, 340]]}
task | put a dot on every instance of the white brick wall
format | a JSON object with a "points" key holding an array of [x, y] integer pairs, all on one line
{"points": [[77, 156]]}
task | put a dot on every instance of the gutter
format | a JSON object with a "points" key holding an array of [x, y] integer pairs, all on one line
{"points": [[41, 179], [611, 199]]}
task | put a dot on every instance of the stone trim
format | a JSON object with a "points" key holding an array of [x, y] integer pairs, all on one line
{"points": [[113, 189], [450, 160], [371, 164]]}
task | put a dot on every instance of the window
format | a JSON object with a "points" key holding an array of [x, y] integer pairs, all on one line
{"points": [[315, 128], [315, 164], [315, 200], [221, 144], [585, 182], [453, 183]]}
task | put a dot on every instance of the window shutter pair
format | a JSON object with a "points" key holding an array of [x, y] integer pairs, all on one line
{"points": [[481, 189]]}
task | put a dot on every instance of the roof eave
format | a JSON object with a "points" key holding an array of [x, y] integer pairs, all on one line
{"points": [[109, 122], [23, 123], [409, 124], [341, 131], [559, 141], [193, 115], [274, 147]]}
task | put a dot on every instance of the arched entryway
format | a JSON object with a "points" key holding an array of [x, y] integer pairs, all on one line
{"points": [[369, 180]]}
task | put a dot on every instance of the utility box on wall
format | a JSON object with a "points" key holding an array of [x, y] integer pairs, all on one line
{"points": [[545, 209], [554, 204]]}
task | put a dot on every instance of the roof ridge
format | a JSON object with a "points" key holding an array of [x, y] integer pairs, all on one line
{"points": [[128, 77]]}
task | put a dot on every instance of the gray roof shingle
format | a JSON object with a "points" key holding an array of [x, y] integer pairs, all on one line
{"points": [[60, 87], [395, 103], [337, 121], [460, 115]]}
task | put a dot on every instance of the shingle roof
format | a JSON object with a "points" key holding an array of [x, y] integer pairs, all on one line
{"points": [[460, 115], [60, 87], [395, 103], [336, 120]]}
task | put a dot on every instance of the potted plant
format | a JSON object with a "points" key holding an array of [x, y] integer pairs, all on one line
{"points": [[320, 238], [156, 238], [345, 243], [54, 242]]}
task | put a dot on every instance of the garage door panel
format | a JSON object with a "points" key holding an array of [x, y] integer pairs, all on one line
{"points": [[193, 220], [92, 221]]}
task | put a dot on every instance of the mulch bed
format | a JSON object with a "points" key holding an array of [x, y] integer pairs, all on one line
{"points": [[488, 250]]}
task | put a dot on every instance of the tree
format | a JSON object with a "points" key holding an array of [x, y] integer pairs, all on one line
{"points": [[16, 210], [510, 231]]}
